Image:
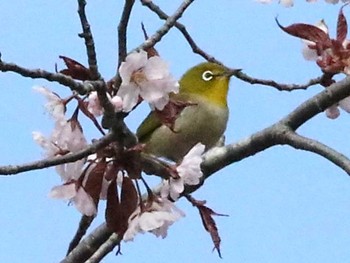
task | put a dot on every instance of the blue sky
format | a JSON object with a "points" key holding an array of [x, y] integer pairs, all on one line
{"points": [[284, 205]]}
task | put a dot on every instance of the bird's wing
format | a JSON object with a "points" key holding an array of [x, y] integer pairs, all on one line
{"points": [[150, 124]]}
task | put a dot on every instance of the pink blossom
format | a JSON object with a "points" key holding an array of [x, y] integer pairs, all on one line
{"points": [[155, 220], [290, 3], [148, 78], [189, 172], [95, 107], [310, 53], [77, 195], [55, 105]]}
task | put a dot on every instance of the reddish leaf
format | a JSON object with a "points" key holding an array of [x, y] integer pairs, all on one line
{"points": [[171, 112], [111, 172], [75, 69], [113, 212], [94, 182], [307, 32], [129, 198], [210, 225], [342, 26], [208, 222], [119, 211]]}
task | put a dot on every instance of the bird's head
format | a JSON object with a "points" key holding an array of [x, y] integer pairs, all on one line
{"points": [[207, 80]]}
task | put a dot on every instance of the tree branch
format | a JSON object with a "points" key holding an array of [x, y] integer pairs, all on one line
{"points": [[240, 75], [104, 249], [195, 48], [70, 157], [89, 245], [122, 31], [84, 224], [302, 143], [170, 22], [279, 86], [49, 76], [89, 41]]}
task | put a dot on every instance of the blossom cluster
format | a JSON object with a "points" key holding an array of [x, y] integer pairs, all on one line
{"points": [[103, 175], [332, 55], [290, 3], [66, 137]]}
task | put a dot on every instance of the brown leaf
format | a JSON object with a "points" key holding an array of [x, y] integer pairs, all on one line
{"points": [[307, 32], [129, 198], [342, 26], [113, 212], [94, 182], [171, 112], [209, 224], [119, 211], [75, 69], [111, 172]]}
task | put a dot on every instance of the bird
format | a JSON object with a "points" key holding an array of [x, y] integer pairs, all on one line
{"points": [[204, 88]]}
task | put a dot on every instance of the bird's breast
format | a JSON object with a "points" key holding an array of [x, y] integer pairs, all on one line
{"points": [[202, 122]]}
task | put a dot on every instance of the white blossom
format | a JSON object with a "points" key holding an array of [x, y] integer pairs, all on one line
{"points": [[95, 107], [77, 195], [148, 78], [156, 219], [189, 172], [290, 3], [55, 105]]}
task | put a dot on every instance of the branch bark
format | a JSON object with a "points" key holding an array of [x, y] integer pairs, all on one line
{"points": [[89, 40]]}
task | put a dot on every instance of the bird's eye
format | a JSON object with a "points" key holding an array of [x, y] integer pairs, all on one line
{"points": [[207, 75]]}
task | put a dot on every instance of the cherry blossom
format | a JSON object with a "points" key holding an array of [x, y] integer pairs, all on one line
{"points": [[156, 220], [146, 77], [55, 105], [189, 173], [331, 55], [95, 107], [290, 3], [65, 138], [77, 195]]}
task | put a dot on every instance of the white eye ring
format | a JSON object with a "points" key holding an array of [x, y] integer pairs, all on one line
{"points": [[207, 75]]}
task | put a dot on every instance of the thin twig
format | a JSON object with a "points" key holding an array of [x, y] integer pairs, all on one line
{"points": [[84, 224], [303, 143], [89, 41], [49, 76], [122, 30], [70, 157], [195, 48], [122, 40], [239, 74], [169, 23], [279, 86]]}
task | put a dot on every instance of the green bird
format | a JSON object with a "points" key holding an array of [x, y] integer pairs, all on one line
{"points": [[205, 87]]}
